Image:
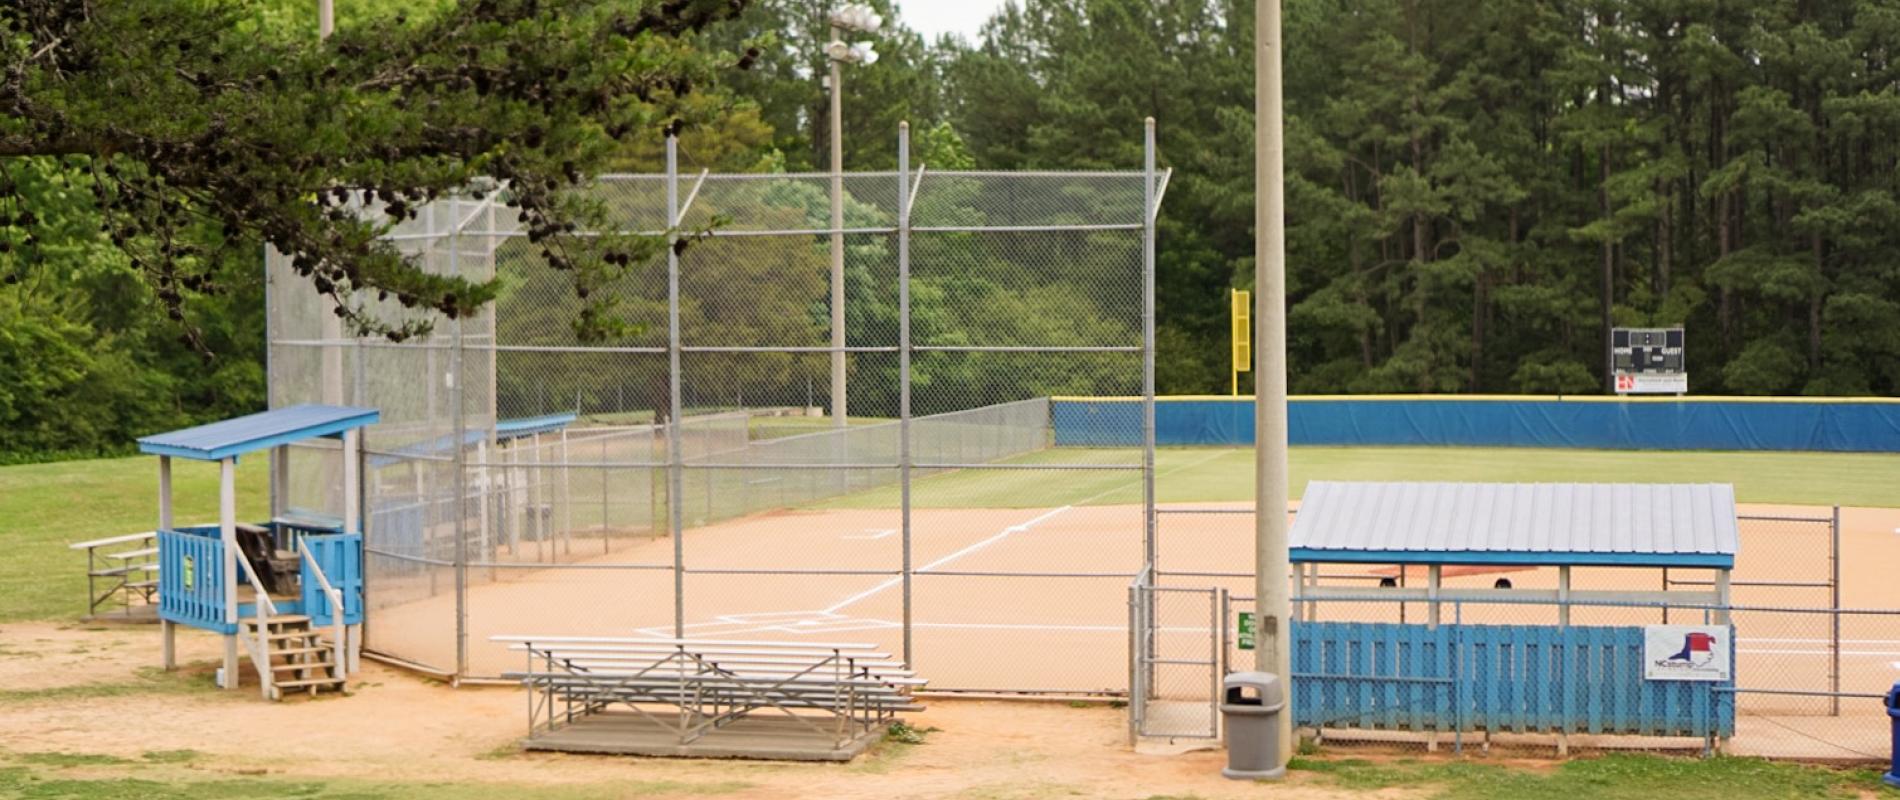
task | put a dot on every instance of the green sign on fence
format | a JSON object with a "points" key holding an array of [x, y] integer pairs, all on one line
{"points": [[1245, 639]]}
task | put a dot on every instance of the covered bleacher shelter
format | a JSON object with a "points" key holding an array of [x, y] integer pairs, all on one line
{"points": [[1472, 664], [271, 587]]}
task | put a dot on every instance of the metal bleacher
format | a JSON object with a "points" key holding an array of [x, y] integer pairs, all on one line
{"points": [[809, 701]]}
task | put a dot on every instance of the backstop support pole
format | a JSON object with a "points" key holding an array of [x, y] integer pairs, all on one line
{"points": [[903, 367], [675, 457], [459, 414], [1148, 343]]}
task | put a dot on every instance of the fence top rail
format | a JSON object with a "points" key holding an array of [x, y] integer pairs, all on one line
{"points": [[1546, 600]]}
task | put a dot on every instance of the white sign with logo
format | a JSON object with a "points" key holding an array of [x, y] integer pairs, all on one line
{"points": [[1686, 652], [1652, 383]]}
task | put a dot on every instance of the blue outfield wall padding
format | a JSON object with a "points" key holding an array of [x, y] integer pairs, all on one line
{"points": [[1844, 425]]}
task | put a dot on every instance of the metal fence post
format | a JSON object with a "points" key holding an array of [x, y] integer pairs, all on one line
{"points": [[1834, 610], [459, 415], [675, 461], [1150, 522], [903, 369], [1148, 342]]}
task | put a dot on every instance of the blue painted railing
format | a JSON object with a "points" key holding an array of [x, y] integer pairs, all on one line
{"points": [[1500, 678], [191, 578]]}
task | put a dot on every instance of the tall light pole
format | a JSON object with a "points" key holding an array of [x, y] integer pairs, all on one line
{"points": [[861, 19], [1271, 564], [330, 326]]}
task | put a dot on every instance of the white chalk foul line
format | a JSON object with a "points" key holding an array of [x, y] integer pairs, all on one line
{"points": [[871, 534], [999, 536]]}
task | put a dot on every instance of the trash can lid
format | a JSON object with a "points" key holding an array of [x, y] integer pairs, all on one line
{"points": [[1266, 684]]}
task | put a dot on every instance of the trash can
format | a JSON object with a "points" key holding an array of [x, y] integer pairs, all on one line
{"points": [[1251, 703], [1893, 716]]}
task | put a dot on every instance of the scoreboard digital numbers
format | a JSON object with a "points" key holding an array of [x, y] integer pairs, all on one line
{"points": [[1648, 361]]}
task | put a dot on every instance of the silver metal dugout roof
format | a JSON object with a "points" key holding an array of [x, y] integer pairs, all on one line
{"points": [[1541, 524]]}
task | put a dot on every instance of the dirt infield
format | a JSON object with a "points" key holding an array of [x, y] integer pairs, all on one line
{"points": [[1037, 598]]}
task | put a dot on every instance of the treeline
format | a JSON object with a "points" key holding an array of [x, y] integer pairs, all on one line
{"points": [[1478, 189]]}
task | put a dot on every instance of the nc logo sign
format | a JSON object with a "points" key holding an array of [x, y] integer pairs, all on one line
{"points": [[1686, 652]]}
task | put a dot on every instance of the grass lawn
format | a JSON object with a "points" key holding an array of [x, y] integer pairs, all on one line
{"points": [[1609, 777], [44, 507], [177, 774], [1206, 475]]}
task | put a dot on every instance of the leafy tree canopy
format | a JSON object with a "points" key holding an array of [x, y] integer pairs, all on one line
{"points": [[200, 130]]}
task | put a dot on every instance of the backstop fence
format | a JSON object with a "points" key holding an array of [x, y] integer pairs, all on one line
{"points": [[825, 417]]}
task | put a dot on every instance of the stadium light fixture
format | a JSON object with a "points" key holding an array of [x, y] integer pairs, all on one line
{"points": [[860, 19]]}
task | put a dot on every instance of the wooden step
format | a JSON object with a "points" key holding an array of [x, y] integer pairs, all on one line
{"points": [[289, 635], [297, 651], [280, 619], [323, 665], [307, 682]]}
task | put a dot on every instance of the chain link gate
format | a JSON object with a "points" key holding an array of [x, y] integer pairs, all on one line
{"points": [[1176, 644]]}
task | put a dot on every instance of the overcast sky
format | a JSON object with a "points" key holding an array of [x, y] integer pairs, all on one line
{"points": [[933, 17]]}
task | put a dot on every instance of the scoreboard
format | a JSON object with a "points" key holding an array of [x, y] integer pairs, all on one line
{"points": [[1648, 361]]}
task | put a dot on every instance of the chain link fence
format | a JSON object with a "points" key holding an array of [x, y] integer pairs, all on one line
{"points": [[693, 475]]}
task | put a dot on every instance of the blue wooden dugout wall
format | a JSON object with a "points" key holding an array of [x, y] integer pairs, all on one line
{"points": [[1500, 678], [192, 596], [199, 602]]}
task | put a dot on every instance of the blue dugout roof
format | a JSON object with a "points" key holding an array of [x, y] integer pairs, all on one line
{"points": [[262, 431], [505, 430], [1525, 524]]}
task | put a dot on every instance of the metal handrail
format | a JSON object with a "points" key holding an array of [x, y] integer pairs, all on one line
{"points": [[331, 596]]}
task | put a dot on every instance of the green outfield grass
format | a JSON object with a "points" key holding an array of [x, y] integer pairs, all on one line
{"points": [[1210, 475]]}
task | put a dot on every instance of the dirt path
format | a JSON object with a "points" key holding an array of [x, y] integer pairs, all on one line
{"points": [[92, 691]]}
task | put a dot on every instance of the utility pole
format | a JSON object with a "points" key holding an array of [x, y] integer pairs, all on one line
{"points": [[1271, 565]]}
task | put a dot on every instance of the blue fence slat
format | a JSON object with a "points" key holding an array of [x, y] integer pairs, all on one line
{"points": [[1494, 677], [191, 578]]}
